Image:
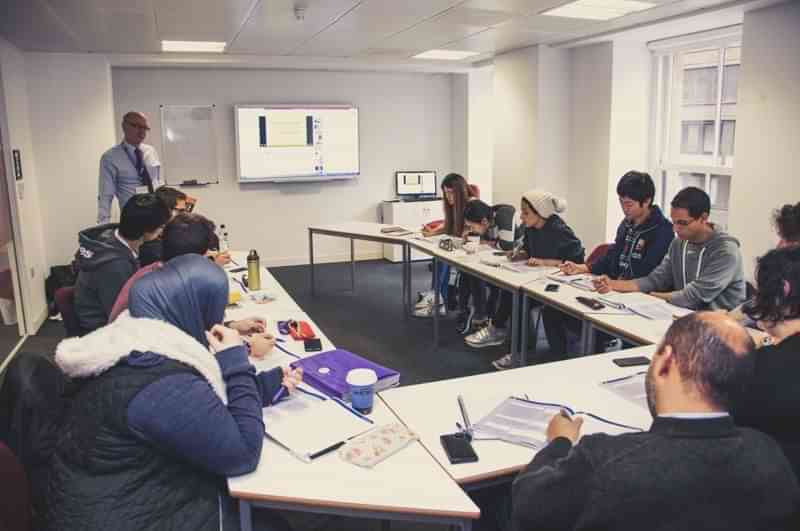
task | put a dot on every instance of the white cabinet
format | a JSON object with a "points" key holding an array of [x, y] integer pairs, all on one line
{"points": [[411, 215]]}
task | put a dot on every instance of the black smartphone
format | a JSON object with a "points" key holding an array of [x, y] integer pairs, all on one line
{"points": [[313, 345], [591, 303], [458, 448], [631, 362], [551, 287]]}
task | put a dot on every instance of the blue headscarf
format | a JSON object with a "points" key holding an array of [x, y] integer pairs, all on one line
{"points": [[189, 292]]}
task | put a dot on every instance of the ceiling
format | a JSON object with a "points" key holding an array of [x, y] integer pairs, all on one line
{"points": [[381, 30]]}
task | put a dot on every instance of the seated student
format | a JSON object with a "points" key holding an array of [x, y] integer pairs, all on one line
{"points": [[193, 234], [169, 407], [642, 240], [547, 241], [108, 256], [693, 469], [771, 400], [456, 194], [786, 221], [150, 251], [495, 225], [703, 267]]}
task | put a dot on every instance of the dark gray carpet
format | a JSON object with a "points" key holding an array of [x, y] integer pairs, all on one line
{"points": [[9, 337]]}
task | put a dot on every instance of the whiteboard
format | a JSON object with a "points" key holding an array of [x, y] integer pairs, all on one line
{"points": [[189, 144]]}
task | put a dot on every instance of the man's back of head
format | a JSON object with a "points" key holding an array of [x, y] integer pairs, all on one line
{"points": [[187, 234], [143, 214], [704, 358]]}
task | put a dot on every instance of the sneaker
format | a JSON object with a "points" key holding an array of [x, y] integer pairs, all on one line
{"points": [[427, 311], [464, 321], [488, 336], [506, 362], [477, 324], [424, 298]]}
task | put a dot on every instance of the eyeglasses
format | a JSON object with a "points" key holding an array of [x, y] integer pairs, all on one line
{"points": [[141, 127]]}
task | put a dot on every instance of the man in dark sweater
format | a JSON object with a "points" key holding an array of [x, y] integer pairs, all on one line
{"points": [[108, 256], [694, 469]]}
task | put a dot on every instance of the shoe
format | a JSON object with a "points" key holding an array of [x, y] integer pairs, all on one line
{"points": [[488, 336], [477, 324], [464, 321], [426, 312], [424, 298], [506, 362]]}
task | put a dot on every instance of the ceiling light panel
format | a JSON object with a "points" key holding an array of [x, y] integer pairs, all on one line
{"points": [[192, 46], [446, 55], [597, 9]]}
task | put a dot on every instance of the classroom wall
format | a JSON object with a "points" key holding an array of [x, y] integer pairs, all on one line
{"points": [[480, 135], [767, 127], [590, 118], [553, 124], [459, 116], [405, 122], [72, 125], [15, 106]]}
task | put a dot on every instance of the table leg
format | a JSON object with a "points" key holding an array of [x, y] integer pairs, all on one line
{"points": [[466, 525], [525, 319], [311, 259], [245, 516], [515, 325], [587, 338], [352, 265], [406, 280], [436, 302]]}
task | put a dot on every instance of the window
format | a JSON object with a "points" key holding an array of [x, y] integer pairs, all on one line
{"points": [[694, 124]]}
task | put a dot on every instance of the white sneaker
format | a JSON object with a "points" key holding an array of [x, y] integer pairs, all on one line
{"points": [[427, 311], [488, 336], [506, 362], [424, 298]]}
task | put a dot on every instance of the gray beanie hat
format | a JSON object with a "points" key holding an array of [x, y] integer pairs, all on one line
{"points": [[545, 203]]}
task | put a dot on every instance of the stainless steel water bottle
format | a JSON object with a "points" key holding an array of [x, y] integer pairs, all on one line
{"points": [[253, 271]]}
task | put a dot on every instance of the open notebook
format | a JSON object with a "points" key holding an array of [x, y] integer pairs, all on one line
{"points": [[309, 425]]}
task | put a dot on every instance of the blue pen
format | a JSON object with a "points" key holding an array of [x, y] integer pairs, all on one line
{"points": [[275, 398], [287, 352]]}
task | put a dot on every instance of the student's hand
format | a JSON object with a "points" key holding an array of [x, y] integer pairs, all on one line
{"points": [[261, 345], [220, 258], [292, 378], [664, 296], [251, 325], [426, 232], [533, 262], [563, 426], [221, 337], [571, 268], [602, 284]]}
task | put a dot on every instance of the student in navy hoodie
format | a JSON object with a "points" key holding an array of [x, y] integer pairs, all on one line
{"points": [[169, 407], [643, 239]]}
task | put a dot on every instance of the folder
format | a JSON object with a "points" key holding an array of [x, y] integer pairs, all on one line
{"points": [[327, 372]]}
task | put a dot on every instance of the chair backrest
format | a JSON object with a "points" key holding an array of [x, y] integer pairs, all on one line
{"points": [[599, 252], [15, 503], [65, 302]]}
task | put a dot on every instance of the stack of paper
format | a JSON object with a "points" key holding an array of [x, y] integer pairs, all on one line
{"points": [[645, 305], [580, 281]]}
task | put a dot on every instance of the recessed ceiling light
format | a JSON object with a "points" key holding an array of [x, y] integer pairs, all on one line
{"points": [[446, 55], [192, 46], [597, 9]]}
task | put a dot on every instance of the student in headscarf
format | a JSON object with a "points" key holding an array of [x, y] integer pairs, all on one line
{"points": [[169, 407]]}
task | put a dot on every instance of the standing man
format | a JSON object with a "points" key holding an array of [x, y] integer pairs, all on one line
{"points": [[128, 168]]}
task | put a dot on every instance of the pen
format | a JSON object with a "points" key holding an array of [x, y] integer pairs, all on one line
{"points": [[622, 378], [309, 393], [329, 449], [277, 396], [465, 416], [292, 354], [240, 283], [615, 305]]}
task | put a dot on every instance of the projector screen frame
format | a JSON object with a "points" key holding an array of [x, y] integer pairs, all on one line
{"points": [[295, 178]]}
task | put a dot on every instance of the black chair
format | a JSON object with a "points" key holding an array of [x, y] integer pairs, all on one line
{"points": [[65, 302]]}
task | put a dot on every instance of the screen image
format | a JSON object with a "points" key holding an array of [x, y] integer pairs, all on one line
{"points": [[416, 183], [276, 143]]}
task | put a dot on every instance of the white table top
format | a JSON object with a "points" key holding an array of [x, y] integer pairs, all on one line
{"points": [[431, 409], [408, 482], [362, 229]]}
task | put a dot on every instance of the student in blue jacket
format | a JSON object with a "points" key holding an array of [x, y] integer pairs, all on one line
{"points": [[643, 238], [169, 407]]}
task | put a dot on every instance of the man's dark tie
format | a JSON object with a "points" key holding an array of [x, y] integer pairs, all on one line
{"points": [[141, 170]]}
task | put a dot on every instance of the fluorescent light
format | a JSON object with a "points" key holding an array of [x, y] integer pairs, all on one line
{"points": [[597, 9], [445, 55], [192, 46]]}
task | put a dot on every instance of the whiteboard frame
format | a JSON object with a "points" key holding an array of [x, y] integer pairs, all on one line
{"points": [[191, 181], [295, 178]]}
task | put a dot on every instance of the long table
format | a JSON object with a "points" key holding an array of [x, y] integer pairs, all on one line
{"points": [[431, 409], [390, 491]]}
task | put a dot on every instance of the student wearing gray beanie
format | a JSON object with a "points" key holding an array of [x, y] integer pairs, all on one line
{"points": [[547, 241]]}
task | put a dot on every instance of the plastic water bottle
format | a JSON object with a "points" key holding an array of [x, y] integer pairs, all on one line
{"points": [[224, 245], [253, 271]]}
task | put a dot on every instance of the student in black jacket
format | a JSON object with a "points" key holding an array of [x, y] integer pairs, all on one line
{"points": [[771, 400], [693, 469], [547, 241], [109, 254]]}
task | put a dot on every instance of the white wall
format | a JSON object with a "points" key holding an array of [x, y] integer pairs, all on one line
{"points": [[72, 125], [17, 134], [480, 141], [590, 116], [553, 123], [459, 116], [516, 86], [767, 127], [405, 122], [630, 111]]}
